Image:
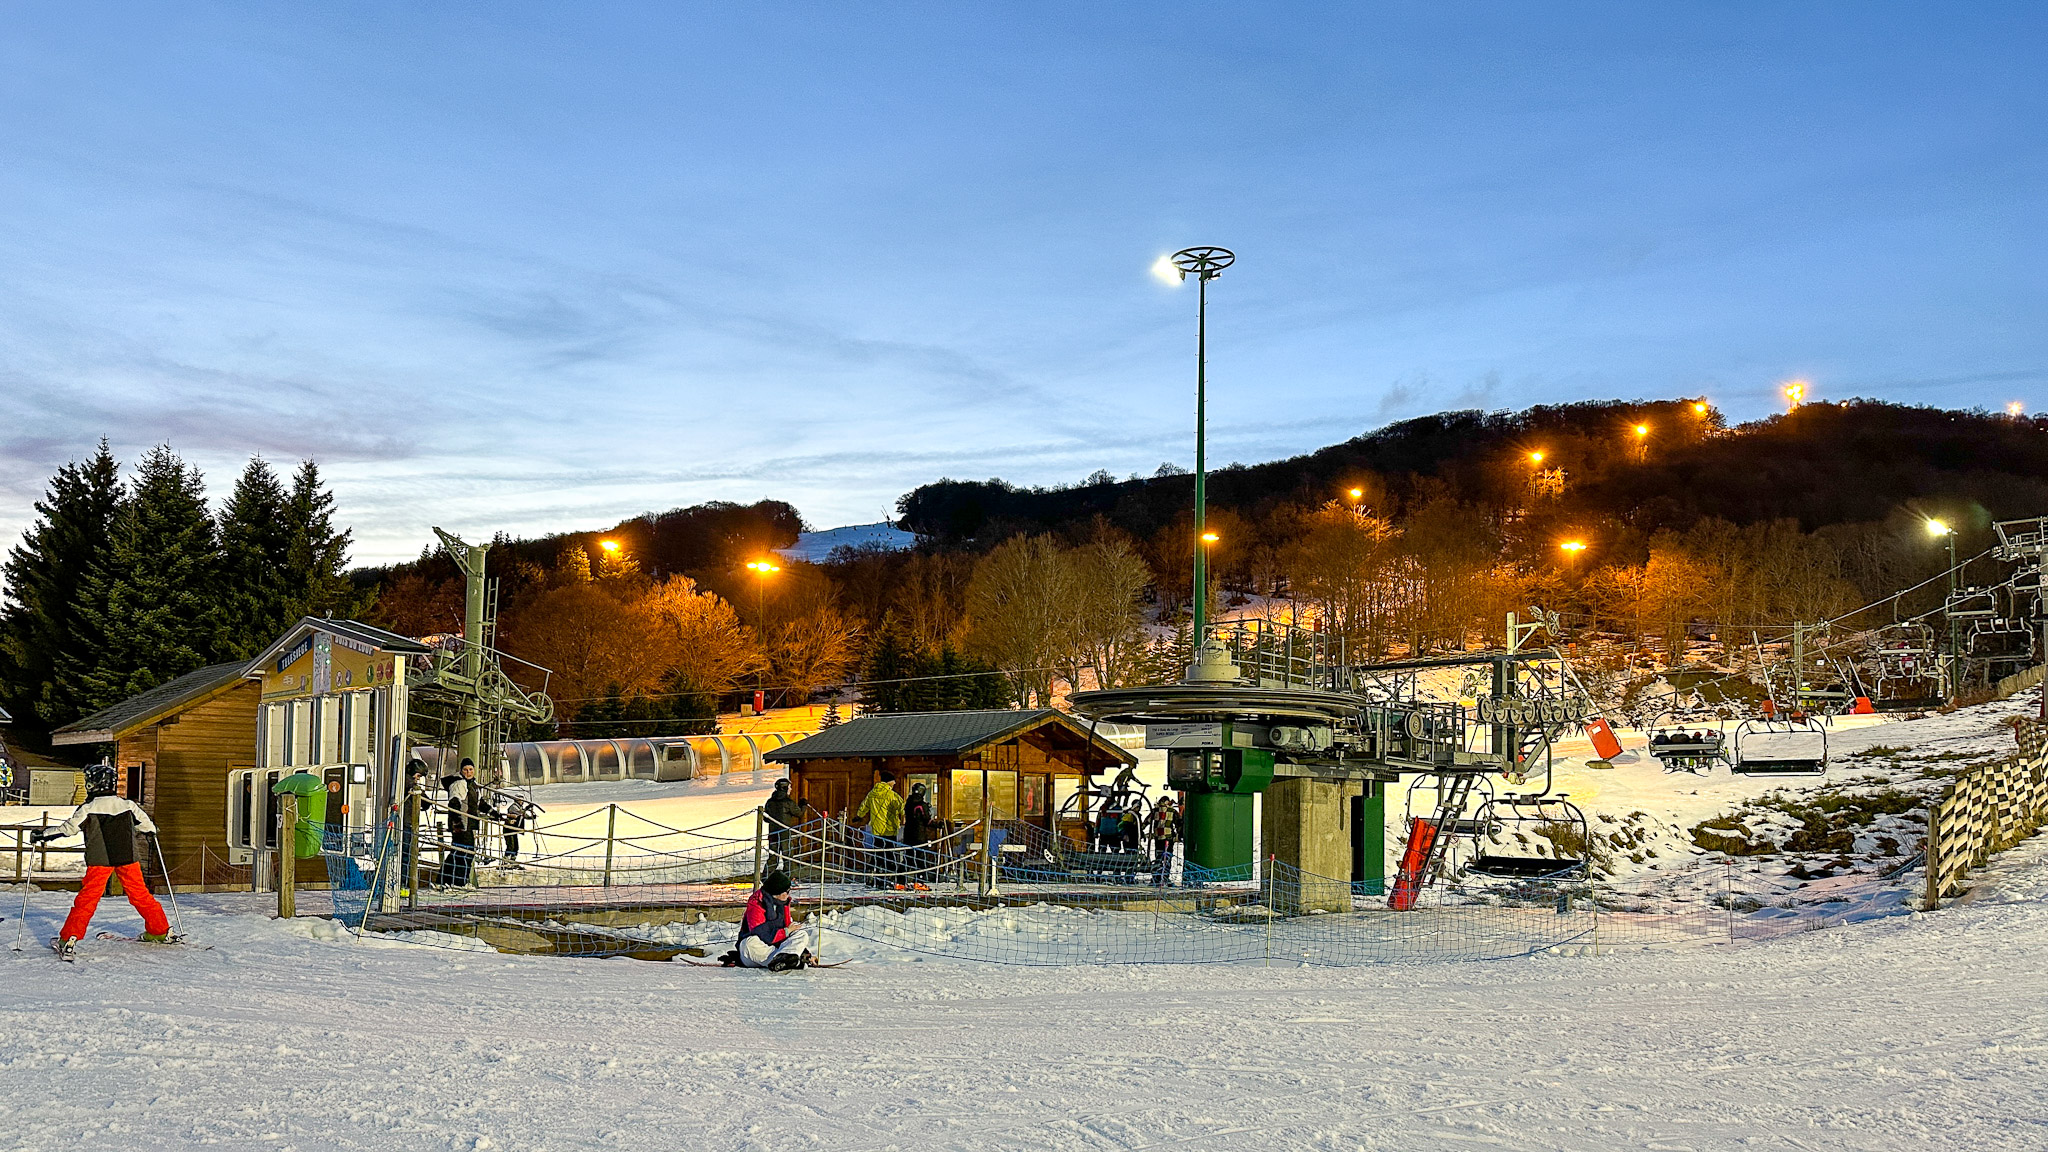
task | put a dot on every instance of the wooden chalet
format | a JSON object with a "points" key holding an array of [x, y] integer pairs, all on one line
{"points": [[173, 747], [1024, 762]]}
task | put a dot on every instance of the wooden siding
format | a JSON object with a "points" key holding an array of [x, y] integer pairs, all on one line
{"points": [[185, 760], [834, 787]]}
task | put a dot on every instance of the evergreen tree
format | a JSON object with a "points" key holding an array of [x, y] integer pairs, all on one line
{"points": [[148, 604], [882, 689], [318, 554], [40, 622], [254, 598]]}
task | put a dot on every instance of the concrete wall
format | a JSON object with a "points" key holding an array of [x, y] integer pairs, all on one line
{"points": [[1307, 823]]}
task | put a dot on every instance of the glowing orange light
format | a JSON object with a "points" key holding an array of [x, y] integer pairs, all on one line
{"points": [[1795, 393], [1574, 547], [1357, 493], [1535, 457], [2015, 409], [1642, 430], [1210, 537], [608, 545], [1699, 408], [764, 567]]}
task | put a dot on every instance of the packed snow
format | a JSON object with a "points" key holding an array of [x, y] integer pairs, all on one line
{"points": [[1897, 1030], [1894, 1034]]}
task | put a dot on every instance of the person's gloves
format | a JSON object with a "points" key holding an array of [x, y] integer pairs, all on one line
{"points": [[40, 835]]}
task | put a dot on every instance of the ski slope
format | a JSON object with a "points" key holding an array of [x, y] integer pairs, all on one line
{"points": [[1900, 1033]]}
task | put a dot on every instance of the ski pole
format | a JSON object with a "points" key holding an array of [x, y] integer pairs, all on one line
{"points": [[22, 923], [170, 888]]}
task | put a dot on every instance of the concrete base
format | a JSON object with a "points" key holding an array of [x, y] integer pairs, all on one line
{"points": [[1308, 825]]}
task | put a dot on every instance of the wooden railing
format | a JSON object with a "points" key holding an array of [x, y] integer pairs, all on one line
{"points": [[22, 849], [1985, 811]]}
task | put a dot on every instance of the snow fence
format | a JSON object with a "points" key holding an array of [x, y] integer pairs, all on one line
{"points": [[1014, 897]]}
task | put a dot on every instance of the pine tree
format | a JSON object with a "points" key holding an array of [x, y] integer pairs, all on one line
{"points": [[831, 719], [39, 620], [318, 554], [149, 602], [887, 665], [254, 598]]}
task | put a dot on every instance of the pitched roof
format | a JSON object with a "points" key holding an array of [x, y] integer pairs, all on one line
{"points": [[934, 734], [136, 711], [355, 630]]}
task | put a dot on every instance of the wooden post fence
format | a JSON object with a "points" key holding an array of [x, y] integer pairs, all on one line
{"points": [[1985, 811]]}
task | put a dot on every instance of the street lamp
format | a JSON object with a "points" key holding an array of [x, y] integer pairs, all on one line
{"points": [[762, 570], [1699, 407], [1795, 394], [1938, 529], [1205, 263], [1536, 458], [1572, 548]]}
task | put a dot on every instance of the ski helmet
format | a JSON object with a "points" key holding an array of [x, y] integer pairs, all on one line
{"points": [[99, 780]]}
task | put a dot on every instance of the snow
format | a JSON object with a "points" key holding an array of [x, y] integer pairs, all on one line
{"points": [[1897, 1030], [1895, 1034], [815, 547]]}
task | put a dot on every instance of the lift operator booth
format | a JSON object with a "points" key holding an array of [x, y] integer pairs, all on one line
{"points": [[334, 705]]}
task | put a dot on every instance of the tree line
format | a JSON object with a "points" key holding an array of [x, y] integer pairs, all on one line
{"points": [[120, 585]]}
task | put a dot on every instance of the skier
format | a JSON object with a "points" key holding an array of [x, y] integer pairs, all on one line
{"points": [[883, 812], [1165, 834], [464, 814], [109, 823], [784, 812], [766, 938], [517, 813]]}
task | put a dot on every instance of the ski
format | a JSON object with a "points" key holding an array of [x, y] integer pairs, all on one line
{"points": [[179, 941], [67, 951]]}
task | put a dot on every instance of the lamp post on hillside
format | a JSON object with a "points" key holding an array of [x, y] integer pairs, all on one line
{"points": [[1939, 528], [1205, 264]]}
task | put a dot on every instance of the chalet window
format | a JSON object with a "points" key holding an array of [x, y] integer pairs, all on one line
{"points": [[241, 809], [966, 796], [1002, 795], [359, 728], [297, 732], [1032, 795], [267, 808]]}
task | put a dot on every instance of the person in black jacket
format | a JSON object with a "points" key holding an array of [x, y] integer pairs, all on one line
{"points": [[784, 812], [465, 799], [109, 823]]}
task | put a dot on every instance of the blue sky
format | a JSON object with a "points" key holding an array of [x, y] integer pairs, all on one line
{"points": [[527, 268]]}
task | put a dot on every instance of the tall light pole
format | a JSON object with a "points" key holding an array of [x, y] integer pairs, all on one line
{"points": [[1948, 664], [762, 570], [1205, 264]]}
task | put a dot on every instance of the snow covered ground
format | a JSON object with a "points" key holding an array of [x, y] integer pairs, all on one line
{"points": [[1897, 1032], [817, 547], [1903, 1033]]}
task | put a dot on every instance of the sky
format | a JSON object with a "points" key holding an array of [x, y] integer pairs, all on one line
{"points": [[532, 268]]}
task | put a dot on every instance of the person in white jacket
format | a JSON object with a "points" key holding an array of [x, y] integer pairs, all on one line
{"points": [[110, 824]]}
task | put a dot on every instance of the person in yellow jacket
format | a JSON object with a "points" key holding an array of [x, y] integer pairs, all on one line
{"points": [[882, 812]]}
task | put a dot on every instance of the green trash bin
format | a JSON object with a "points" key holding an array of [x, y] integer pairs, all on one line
{"points": [[312, 794]]}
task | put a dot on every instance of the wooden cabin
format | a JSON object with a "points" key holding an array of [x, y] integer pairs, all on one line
{"points": [[1024, 763], [173, 748]]}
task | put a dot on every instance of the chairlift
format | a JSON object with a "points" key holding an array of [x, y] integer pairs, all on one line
{"points": [[1512, 831], [1971, 604], [1794, 744], [1683, 742]]}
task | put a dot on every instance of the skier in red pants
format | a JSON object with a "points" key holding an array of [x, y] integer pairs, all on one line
{"points": [[109, 823]]}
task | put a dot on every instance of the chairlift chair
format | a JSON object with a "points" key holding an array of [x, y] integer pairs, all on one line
{"points": [[1512, 830], [1681, 744], [1792, 745]]}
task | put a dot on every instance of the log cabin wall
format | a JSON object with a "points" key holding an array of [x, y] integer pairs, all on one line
{"points": [[185, 760]]}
